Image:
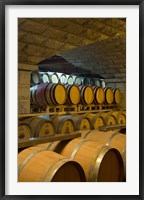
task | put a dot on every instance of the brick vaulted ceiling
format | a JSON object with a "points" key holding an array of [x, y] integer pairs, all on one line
{"points": [[96, 44]]}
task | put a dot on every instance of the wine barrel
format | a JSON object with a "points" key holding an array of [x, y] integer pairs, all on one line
{"points": [[24, 131], [63, 79], [81, 123], [97, 83], [40, 127], [73, 94], [100, 162], [48, 94], [41, 74], [99, 95], [112, 139], [102, 83], [54, 77], [35, 77], [37, 165], [55, 94], [70, 80], [63, 124], [109, 119], [87, 94], [120, 117], [77, 80], [39, 94], [92, 82], [108, 95], [96, 120], [45, 78], [117, 95], [33, 94], [85, 81]]}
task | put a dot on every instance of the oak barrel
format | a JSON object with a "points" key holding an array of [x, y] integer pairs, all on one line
{"points": [[37, 165], [81, 122], [24, 131], [87, 94], [55, 94], [100, 162], [117, 95], [77, 80], [97, 83], [120, 117], [39, 94], [108, 95], [99, 95], [110, 138], [92, 82], [70, 80], [40, 127], [63, 79], [96, 120], [102, 83], [48, 94], [45, 78], [73, 94], [113, 139], [63, 124], [54, 77], [109, 119], [35, 77], [32, 95], [85, 81]]}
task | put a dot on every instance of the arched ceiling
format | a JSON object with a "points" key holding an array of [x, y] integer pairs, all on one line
{"points": [[94, 44], [105, 57]]}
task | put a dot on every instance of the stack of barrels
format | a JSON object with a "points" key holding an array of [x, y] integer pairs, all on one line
{"points": [[38, 165], [35, 127], [51, 88], [45, 126], [94, 157], [54, 94], [55, 77]]}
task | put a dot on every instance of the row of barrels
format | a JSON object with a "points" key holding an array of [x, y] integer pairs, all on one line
{"points": [[53, 77], [58, 94], [44, 126], [94, 157]]}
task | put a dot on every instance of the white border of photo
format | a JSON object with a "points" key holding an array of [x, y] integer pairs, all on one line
{"points": [[12, 13]]}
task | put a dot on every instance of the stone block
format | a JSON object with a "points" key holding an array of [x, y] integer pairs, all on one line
{"points": [[35, 50], [23, 77], [32, 38], [23, 106], [24, 92], [32, 27]]}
